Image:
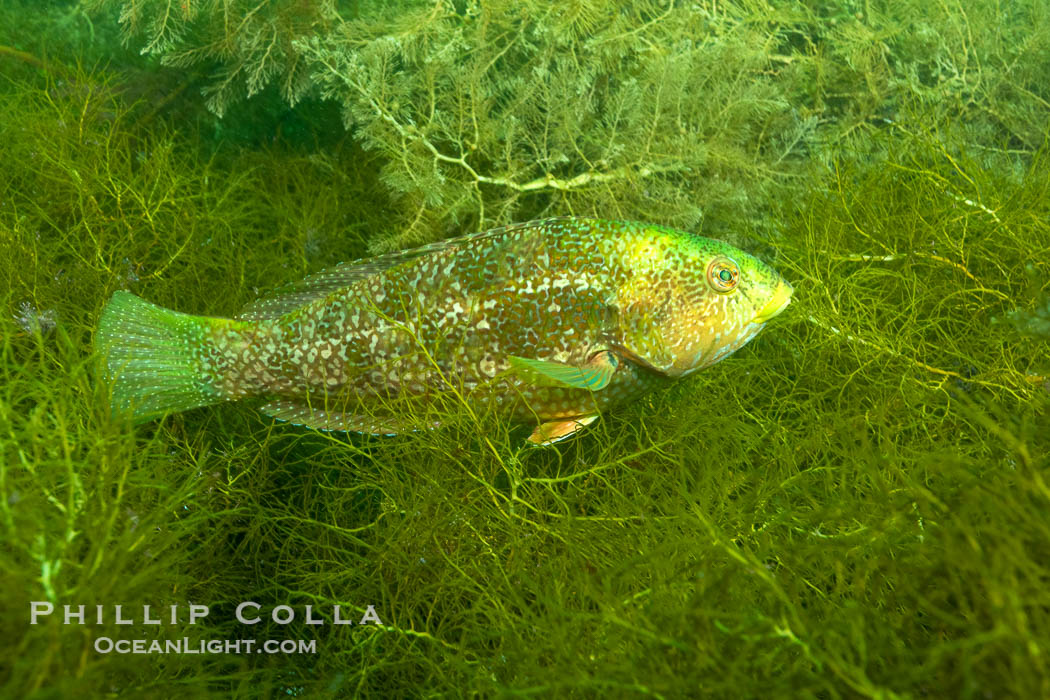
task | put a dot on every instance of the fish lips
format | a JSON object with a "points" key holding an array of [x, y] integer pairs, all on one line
{"points": [[776, 304]]}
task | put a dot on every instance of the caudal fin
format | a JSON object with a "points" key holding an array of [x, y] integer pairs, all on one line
{"points": [[151, 355]]}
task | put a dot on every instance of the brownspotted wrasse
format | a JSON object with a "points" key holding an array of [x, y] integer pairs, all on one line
{"points": [[548, 322]]}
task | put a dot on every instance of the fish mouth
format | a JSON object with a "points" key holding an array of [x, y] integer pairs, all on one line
{"points": [[777, 303]]}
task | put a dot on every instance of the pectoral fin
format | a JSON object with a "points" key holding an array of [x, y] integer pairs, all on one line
{"points": [[557, 430], [595, 375]]}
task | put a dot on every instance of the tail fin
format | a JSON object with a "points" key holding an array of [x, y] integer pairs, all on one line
{"points": [[152, 358]]}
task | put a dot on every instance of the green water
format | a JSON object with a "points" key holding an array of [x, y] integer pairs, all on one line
{"points": [[856, 504]]}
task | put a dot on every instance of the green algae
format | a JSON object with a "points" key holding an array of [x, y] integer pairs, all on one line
{"points": [[855, 505]]}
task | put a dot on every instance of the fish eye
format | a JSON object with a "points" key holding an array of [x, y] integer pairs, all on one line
{"points": [[723, 275]]}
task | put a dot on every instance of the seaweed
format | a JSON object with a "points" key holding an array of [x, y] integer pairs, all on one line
{"points": [[854, 505]]}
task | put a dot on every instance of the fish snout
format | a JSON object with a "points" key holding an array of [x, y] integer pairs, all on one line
{"points": [[776, 304]]}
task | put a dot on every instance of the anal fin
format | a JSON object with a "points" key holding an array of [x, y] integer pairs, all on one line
{"points": [[556, 430], [298, 413]]}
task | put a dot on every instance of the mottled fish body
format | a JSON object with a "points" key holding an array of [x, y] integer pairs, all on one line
{"points": [[549, 321]]}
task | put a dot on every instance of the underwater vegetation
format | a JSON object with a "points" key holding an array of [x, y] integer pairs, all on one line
{"points": [[856, 505]]}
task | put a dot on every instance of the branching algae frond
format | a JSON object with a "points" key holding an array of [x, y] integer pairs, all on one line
{"points": [[489, 112]]}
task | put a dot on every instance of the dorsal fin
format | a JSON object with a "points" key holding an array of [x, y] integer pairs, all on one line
{"points": [[316, 286], [321, 284]]}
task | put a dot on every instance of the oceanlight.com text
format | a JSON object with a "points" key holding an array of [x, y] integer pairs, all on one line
{"points": [[107, 645]]}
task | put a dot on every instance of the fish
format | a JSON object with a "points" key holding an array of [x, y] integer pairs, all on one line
{"points": [[549, 322]]}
